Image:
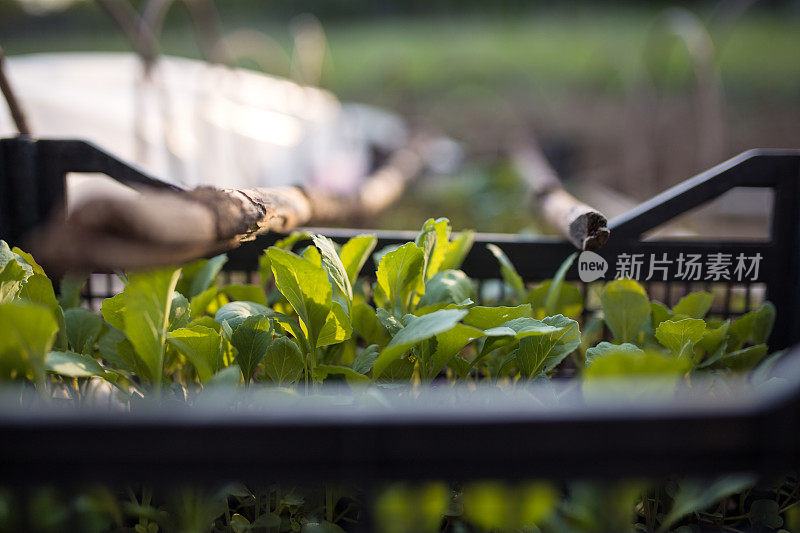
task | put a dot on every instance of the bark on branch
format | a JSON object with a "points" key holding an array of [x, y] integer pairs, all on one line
{"points": [[584, 226], [160, 228]]}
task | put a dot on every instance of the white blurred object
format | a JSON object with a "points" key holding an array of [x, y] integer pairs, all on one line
{"points": [[201, 124]]}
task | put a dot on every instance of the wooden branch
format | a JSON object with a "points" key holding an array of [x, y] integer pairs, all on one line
{"points": [[161, 228], [17, 115], [584, 226], [377, 193]]}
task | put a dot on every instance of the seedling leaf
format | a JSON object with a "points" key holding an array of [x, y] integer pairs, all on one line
{"points": [[626, 309], [306, 287], [148, 298], [283, 362], [355, 253], [508, 272], [417, 330], [74, 365], [201, 346]]}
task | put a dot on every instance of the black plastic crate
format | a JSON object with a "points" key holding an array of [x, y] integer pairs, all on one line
{"points": [[326, 442]]}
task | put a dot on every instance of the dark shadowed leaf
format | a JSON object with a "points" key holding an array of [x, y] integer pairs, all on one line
{"points": [[352, 377], [198, 275], [283, 362], [763, 322], [251, 340], [447, 287], [693, 496], [179, 313], [554, 292], [83, 328], [543, 350], [365, 322], [364, 360], [247, 293], [509, 273]]}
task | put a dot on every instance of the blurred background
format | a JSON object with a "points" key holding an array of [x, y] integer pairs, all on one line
{"points": [[626, 98]]}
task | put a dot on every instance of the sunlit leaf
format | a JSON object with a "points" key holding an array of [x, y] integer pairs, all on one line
{"points": [[417, 330], [201, 346], [28, 332], [148, 299], [12, 276], [235, 313], [306, 287], [179, 313], [113, 311], [434, 240], [337, 327], [457, 251], [198, 305], [398, 273], [333, 264], [626, 309], [606, 348], [355, 253], [491, 317], [694, 305], [648, 376], [674, 334], [74, 365]]}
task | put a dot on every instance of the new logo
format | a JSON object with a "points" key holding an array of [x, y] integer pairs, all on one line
{"points": [[591, 266]]}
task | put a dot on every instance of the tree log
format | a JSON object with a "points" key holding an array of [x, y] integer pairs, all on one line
{"points": [[160, 228], [582, 225]]}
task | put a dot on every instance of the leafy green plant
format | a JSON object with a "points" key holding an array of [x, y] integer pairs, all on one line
{"points": [[312, 319]]}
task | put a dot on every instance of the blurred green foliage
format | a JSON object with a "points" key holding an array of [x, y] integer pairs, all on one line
{"points": [[382, 54]]}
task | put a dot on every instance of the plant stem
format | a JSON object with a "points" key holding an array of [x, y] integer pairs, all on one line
{"points": [[329, 504]]}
